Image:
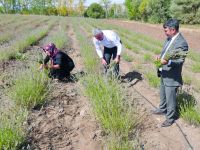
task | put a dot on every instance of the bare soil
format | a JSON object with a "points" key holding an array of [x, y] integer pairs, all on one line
{"points": [[179, 136], [66, 121], [156, 31]]}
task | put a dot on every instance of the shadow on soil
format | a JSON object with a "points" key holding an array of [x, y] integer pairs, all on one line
{"points": [[132, 76], [74, 77]]}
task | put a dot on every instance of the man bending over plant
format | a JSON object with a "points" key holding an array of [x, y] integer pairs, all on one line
{"points": [[112, 47]]}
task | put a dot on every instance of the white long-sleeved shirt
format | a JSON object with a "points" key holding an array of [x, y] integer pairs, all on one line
{"points": [[110, 40]]}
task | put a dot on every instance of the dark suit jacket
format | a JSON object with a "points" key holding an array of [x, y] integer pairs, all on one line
{"points": [[171, 74]]}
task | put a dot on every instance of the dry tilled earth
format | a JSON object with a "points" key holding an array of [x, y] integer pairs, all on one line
{"points": [[66, 120]]}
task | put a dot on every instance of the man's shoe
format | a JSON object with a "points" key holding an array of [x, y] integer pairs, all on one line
{"points": [[167, 123], [158, 112]]}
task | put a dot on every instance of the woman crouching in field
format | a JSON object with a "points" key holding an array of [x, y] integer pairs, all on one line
{"points": [[61, 64]]}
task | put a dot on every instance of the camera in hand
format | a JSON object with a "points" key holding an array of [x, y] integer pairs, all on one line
{"points": [[159, 73]]}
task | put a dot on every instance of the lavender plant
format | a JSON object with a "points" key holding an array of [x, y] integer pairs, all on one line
{"points": [[172, 55]]}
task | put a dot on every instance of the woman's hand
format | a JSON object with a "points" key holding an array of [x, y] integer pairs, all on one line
{"points": [[43, 66], [54, 67]]}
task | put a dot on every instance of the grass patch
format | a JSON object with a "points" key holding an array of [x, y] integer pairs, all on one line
{"points": [[147, 57], [127, 57], [28, 39], [30, 88], [120, 145], [153, 79], [187, 108], [196, 83], [4, 38], [60, 39], [195, 56], [108, 101], [107, 97], [11, 130], [187, 79], [196, 67]]}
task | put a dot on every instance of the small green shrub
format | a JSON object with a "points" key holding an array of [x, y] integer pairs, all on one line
{"points": [[196, 67], [95, 10], [107, 99], [127, 57], [147, 57], [11, 128], [187, 79], [20, 56], [187, 108], [153, 79], [30, 88], [194, 55]]}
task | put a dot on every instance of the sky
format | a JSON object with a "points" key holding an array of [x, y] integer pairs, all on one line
{"points": [[88, 2]]}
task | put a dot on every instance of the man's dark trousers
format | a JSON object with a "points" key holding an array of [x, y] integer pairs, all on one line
{"points": [[168, 102], [108, 53]]}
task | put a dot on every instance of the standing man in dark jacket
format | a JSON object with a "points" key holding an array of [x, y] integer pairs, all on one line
{"points": [[61, 64], [170, 72], [112, 48]]}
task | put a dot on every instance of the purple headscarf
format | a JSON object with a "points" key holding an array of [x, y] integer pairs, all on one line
{"points": [[51, 48]]}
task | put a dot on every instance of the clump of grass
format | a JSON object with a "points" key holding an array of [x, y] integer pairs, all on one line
{"points": [[196, 67], [107, 99], [187, 79], [30, 88], [195, 56], [4, 38], [23, 42], [152, 79], [191, 115], [8, 54], [129, 45], [117, 144], [20, 56], [147, 57], [60, 39], [106, 96], [156, 51], [197, 85], [127, 57], [11, 130], [187, 108]]}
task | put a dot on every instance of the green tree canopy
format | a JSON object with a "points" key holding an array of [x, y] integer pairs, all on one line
{"points": [[132, 8], [187, 11], [143, 9], [106, 4], [158, 10], [95, 11], [116, 11]]}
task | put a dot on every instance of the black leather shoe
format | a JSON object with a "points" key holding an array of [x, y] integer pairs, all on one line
{"points": [[158, 112], [167, 123]]}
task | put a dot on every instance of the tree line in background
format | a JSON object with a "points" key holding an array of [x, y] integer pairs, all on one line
{"points": [[61, 8], [155, 11], [43, 7]]}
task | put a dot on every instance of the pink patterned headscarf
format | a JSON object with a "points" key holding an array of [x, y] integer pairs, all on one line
{"points": [[51, 48]]}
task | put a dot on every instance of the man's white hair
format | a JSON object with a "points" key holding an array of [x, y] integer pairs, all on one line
{"points": [[96, 31]]}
